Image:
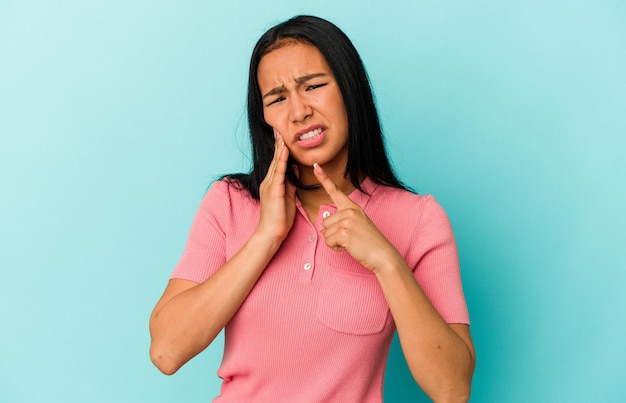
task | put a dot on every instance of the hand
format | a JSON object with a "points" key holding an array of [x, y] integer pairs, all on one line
{"points": [[277, 195], [350, 229]]}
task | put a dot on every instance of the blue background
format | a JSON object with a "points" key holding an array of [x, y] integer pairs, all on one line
{"points": [[116, 115]]}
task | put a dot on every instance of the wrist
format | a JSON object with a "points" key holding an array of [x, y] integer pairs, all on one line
{"points": [[259, 240], [391, 265]]}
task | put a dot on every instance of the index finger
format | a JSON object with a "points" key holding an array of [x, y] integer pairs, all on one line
{"points": [[337, 195]]}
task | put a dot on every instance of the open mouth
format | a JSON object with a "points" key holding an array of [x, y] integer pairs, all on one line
{"points": [[311, 134]]}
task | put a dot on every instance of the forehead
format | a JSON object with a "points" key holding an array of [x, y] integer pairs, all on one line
{"points": [[288, 62]]}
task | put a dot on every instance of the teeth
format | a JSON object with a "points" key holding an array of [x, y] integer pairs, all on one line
{"points": [[310, 134]]}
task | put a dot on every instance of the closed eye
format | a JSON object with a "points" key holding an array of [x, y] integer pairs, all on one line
{"points": [[279, 99], [312, 87]]}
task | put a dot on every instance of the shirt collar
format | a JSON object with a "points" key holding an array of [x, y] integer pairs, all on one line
{"points": [[359, 197], [362, 197]]}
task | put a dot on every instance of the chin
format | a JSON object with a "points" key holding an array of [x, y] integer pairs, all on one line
{"points": [[307, 161], [320, 157]]}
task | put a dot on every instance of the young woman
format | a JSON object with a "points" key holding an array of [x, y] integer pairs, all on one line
{"points": [[313, 259]]}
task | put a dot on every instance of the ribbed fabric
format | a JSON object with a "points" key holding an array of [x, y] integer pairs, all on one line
{"points": [[316, 327]]}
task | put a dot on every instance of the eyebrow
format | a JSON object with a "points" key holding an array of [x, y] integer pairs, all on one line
{"points": [[299, 80]]}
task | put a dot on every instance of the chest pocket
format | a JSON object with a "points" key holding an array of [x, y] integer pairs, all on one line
{"points": [[350, 298]]}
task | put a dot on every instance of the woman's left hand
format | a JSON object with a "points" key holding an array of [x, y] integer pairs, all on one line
{"points": [[350, 229], [440, 356]]}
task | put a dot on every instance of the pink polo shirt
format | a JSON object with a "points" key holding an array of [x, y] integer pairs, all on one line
{"points": [[316, 326]]}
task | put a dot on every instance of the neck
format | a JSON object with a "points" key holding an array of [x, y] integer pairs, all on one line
{"points": [[312, 199]]}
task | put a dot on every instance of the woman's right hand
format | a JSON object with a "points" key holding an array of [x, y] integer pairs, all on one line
{"points": [[277, 196], [189, 315]]}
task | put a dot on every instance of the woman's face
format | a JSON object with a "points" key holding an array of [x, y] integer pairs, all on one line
{"points": [[302, 102]]}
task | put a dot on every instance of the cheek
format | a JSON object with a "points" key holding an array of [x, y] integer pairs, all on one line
{"points": [[340, 109], [272, 117], [268, 118], [342, 115]]}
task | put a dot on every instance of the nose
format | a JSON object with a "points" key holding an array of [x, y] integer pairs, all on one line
{"points": [[299, 108]]}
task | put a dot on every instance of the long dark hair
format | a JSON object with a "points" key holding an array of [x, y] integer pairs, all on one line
{"points": [[366, 150]]}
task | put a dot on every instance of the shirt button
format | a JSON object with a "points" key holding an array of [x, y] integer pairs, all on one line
{"points": [[311, 238], [325, 214], [307, 266]]}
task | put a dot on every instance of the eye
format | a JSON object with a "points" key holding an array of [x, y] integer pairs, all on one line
{"points": [[315, 86], [279, 99]]}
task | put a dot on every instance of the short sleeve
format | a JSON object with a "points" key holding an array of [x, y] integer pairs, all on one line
{"points": [[205, 251], [437, 269]]}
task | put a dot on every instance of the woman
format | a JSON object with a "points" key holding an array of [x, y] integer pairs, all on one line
{"points": [[313, 259]]}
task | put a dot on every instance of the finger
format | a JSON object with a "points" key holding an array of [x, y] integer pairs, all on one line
{"points": [[279, 171], [340, 199], [278, 145], [332, 239], [281, 160]]}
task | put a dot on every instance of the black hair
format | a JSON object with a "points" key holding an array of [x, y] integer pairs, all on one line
{"points": [[366, 150]]}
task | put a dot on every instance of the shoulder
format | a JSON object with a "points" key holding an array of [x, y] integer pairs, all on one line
{"points": [[228, 190], [408, 207], [225, 197], [403, 199]]}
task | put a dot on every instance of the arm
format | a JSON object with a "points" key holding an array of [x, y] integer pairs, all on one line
{"points": [[439, 355], [189, 316]]}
